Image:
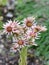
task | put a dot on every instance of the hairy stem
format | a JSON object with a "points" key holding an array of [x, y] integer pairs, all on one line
{"points": [[23, 56]]}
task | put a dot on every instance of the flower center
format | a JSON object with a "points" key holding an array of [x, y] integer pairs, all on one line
{"points": [[25, 29], [32, 34], [9, 28], [20, 42], [29, 24], [36, 29], [16, 34]]}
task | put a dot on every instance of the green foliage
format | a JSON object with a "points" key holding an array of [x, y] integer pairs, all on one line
{"points": [[3, 2], [1, 24]]}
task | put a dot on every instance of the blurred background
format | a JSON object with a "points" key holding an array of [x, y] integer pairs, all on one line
{"points": [[19, 9]]}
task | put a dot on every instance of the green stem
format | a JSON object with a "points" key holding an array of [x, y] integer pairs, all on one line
{"points": [[23, 56]]}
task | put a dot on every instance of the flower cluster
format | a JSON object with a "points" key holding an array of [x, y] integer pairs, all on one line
{"points": [[23, 34]]}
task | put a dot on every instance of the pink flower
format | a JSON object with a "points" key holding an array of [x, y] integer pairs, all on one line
{"points": [[17, 45], [10, 26], [31, 33], [43, 28], [14, 47], [7, 27], [40, 28], [29, 21]]}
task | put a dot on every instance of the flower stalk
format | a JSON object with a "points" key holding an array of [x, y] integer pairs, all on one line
{"points": [[23, 56]]}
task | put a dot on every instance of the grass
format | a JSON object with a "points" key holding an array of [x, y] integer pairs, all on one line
{"points": [[3, 2], [1, 24]]}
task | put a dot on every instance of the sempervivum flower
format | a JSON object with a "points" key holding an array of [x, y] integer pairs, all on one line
{"points": [[40, 28], [30, 34], [29, 21], [9, 26], [33, 34], [14, 47], [21, 43], [43, 28], [30, 37], [18, 45], [17, 30]]}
